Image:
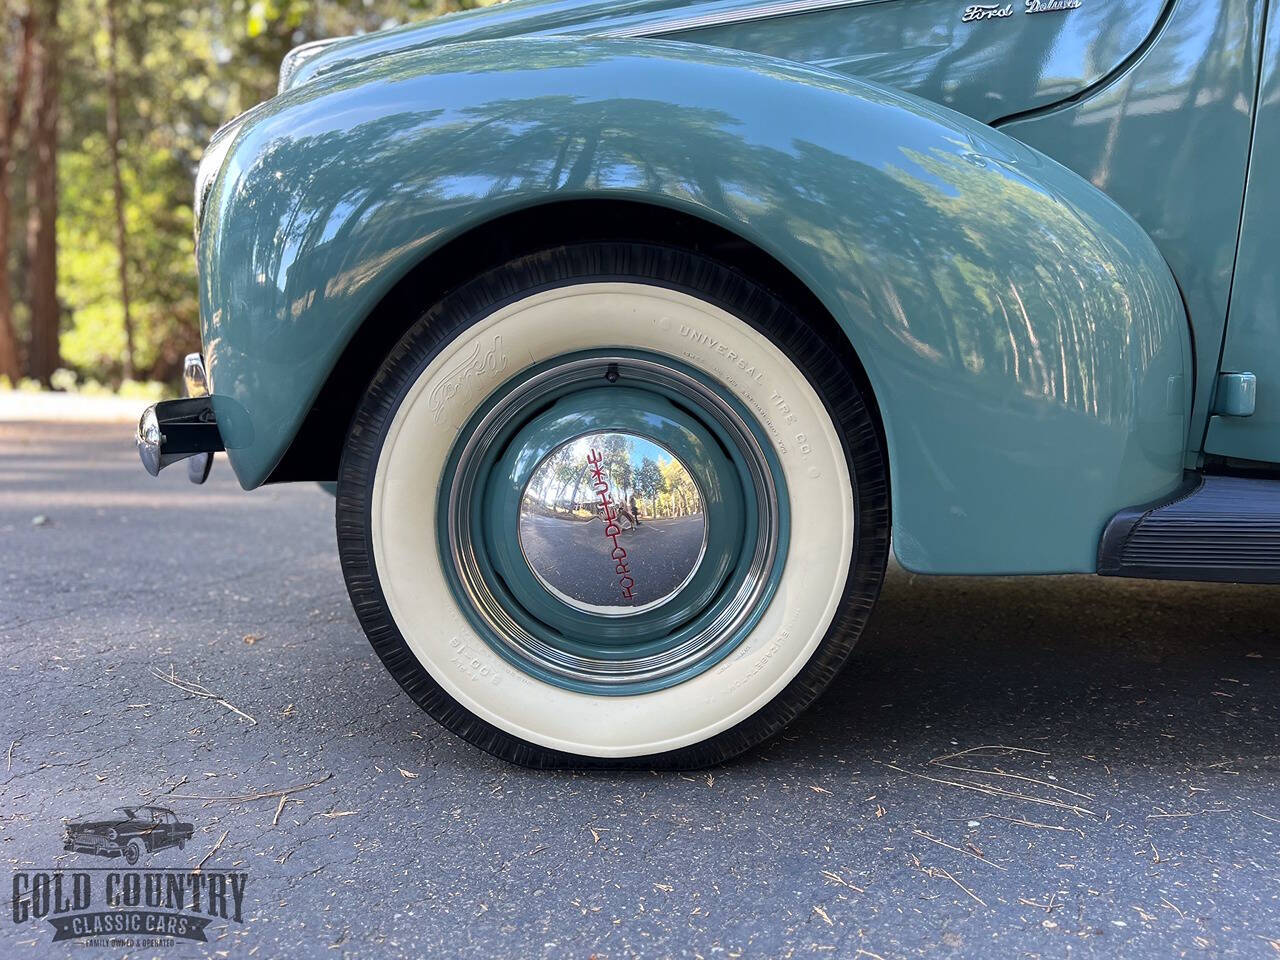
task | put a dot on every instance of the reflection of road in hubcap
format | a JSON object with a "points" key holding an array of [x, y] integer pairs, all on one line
{"points": [[612, 523]]}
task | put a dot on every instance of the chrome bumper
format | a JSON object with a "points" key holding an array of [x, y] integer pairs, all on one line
{"points": [[186, 429], [102, 847]]}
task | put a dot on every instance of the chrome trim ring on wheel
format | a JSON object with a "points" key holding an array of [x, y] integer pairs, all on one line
{"points": [[688, 585]]}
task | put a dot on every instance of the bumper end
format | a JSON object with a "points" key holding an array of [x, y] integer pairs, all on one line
{"points": [[149, 440], [187, 429], [174, 430]]}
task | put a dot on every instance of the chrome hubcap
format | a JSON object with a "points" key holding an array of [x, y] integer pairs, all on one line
{"points": [[615, 524], [612, 524]]}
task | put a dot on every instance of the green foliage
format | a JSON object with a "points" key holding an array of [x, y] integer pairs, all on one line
{"points": [[183, 70], [161, 258]]}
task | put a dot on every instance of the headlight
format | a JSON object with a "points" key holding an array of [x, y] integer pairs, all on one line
{"points": [[296, 57], [211, 163], [111, 834]]}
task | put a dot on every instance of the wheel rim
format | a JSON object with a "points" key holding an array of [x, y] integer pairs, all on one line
{"points": [[543, 583]]}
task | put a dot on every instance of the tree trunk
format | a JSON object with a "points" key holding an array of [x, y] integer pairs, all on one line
{"points": [[117, 185], [42, 190], [10, 116]]}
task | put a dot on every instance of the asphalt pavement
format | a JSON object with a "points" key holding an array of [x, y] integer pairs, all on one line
{"points": [[1038, 767]]}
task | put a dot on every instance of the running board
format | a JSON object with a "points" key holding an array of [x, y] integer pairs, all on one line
{"points": [[1225, 529]]}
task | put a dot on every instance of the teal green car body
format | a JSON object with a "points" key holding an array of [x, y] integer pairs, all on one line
{"points": [[1034, 363]]}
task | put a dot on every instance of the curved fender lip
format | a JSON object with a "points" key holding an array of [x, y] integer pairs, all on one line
{"points": [[1024, 339]]}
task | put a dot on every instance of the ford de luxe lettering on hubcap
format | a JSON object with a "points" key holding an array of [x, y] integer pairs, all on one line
{"points": [[581, 530]]}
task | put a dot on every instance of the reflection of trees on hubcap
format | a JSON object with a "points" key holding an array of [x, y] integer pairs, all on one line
{"points": [[611, 521], [636, 468]]}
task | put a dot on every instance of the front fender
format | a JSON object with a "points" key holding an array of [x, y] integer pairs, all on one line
{"points": [[1026, 343]]}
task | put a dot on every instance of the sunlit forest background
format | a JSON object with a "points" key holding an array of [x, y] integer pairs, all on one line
{"points": [[105, 107]]}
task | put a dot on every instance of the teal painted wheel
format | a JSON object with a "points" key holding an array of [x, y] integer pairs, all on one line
{"points": [[614, 504], [543, 549]]}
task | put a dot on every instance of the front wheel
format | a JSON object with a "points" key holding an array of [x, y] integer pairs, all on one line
{"points": [[613, 504], [133, 851]]}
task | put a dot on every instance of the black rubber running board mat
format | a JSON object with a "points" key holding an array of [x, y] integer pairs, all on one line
{"points": [[1225, 529]]}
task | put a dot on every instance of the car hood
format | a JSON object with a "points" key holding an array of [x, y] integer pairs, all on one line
{"points": [[901, 44], [517, 18], [99, 826]]}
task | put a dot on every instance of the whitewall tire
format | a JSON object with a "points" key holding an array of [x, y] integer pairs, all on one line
{"points": [[481, 581]]}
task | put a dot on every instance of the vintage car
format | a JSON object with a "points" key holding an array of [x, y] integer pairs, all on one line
{"points": [[127, 832], [634, 332]]}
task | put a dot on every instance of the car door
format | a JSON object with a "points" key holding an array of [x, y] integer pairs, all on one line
{"points": [[165, 830], [1252, 342]]}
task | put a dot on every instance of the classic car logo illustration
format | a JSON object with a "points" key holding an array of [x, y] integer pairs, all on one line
{"points": [[121, 907], [129, 832]]}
